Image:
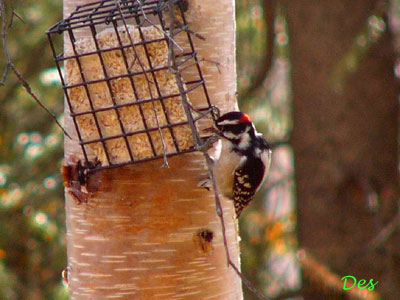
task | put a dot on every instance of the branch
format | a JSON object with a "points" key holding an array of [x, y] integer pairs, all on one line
{"points": [[384, 234], [325, 279], [266, 63], [200, 145], [4, 29], [10, 65], [14, 14]]}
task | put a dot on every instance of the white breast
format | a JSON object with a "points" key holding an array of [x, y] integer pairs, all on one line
{"points": [[225, 168]]}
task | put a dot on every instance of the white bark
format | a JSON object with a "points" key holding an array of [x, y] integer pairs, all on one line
{"points": [[135, 238]]}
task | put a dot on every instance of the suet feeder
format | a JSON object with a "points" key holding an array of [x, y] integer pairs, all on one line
{"points": [[127, 76]]}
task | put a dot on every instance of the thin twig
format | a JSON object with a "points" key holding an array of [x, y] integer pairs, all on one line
{"points": [[14, 14], [158, 28], [195, 34], [323, 277], [220, 213], [187, 29], [4, 29], [198, 142], [200, 145], [165, 164], [384, 234], [247, 282], [265, 64], [218, 204], [216, 63], [10, 65], [29, 91]]}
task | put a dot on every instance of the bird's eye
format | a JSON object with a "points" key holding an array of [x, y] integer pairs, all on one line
{"points": [[235, 129]]}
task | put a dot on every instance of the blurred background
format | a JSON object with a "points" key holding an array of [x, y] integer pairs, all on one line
{"points": [[320, 78]]}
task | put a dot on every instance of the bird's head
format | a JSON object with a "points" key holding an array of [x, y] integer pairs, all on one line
{"points": [[235, 126]]}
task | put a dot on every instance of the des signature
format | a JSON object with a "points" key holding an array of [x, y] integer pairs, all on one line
{"points": [[361, 284]]}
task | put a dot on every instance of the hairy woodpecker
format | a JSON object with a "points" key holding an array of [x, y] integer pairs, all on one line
{"points": [[244, 161]]}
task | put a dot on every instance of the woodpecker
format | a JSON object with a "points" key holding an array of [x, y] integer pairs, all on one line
{"points": [[244, 161]]}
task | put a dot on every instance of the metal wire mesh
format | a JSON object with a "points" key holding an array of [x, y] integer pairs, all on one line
{"points": [[114, 126]]}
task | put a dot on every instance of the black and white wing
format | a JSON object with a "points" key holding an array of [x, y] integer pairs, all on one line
{"points": [[247, 180]]}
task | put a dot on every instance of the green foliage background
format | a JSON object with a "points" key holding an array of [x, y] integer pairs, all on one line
{"points": [[32, 227]]}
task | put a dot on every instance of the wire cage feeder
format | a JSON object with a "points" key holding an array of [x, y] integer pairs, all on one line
{"points": [[126, 101]]}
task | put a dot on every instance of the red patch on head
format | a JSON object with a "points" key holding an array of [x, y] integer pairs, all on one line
{"points": [[245, 119]]}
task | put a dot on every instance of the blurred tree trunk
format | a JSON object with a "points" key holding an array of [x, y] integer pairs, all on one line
{"points": [[135, 238], [345, 141]]}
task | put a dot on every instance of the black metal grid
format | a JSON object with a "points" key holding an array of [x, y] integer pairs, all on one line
{"points": [[112, 14]]}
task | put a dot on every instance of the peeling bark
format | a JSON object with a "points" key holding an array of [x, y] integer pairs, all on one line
{"points": [[134, 238]]}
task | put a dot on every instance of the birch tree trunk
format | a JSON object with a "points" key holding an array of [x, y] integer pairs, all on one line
{"points": [[135, 238]]}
